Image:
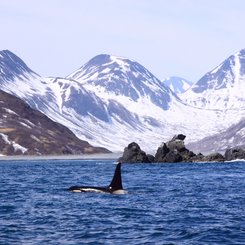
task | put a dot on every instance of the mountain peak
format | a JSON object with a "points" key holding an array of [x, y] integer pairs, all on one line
{"points": [[120, 76], [105, 60], [177, 84], [222, 87], [99, 59], [7, 52], [12, 66], [225, 74]]}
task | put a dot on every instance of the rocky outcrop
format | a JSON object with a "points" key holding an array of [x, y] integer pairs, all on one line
{"points": [[161, 153], [175, 151], [133, 153], [235, 153], [198, 158], [214, 157]]}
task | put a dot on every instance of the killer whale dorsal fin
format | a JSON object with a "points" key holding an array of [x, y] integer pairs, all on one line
{"points": [[115, 186], [116, 183]]}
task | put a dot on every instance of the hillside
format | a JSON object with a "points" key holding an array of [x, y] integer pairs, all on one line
{"points": [[24, 130]]}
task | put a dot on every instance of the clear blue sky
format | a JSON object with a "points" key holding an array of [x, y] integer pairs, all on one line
{"points": [[183, 38]]}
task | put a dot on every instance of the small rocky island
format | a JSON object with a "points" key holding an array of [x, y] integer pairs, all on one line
{"points": [[175, 151]]}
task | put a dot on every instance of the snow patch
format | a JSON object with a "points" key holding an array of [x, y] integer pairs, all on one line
{"points": [[19, 147], [25, 125], [13, 143], [35, 138], [10, 111], [5, 138]]}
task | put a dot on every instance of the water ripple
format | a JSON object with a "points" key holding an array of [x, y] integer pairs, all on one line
{"points": [[167, 203]]}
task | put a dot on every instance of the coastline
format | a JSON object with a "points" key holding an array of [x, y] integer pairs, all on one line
{"points": [[102, 156]]}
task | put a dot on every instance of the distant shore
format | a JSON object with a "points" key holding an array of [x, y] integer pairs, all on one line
{"points": [[102, 156]]}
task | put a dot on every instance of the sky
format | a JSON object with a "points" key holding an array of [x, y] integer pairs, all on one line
{"points": [[185, 38]]}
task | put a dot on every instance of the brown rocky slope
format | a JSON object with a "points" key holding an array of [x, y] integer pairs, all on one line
{"points": [[26, 131]]}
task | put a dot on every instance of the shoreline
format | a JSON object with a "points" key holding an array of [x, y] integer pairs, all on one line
{"points": [[101, 156]]}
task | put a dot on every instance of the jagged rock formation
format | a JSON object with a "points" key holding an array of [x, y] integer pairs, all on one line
{"points": [[175, 151], [133, 153], [214, 157], [235, 153]]}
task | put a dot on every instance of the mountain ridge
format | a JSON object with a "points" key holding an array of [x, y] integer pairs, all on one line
{"points": [[111, 100], [122, 76], [11, 66], [221, 88]]}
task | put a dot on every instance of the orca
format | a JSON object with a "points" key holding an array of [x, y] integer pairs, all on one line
{"points": [[115, 186]]}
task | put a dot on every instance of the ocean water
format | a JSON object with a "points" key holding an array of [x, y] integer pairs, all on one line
{"points": [[186, 203]]}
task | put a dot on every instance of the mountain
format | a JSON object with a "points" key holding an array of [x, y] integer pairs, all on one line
{"points": [[107, 74], [222, 88], [12, 67], [111, 101], [153, 112], [177, 84], [24, 130], [233, 136], [18, 79], [114, 100]]}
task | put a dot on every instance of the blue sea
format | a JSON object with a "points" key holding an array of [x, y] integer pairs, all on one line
{"points": [[180, 203]]}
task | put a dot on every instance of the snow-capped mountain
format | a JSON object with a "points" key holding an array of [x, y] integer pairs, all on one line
{"points": [[117, 76], [177, 84], [156, 112], [18, 79], [43, 94], [222, 88], [12, 67], [111, 101]]}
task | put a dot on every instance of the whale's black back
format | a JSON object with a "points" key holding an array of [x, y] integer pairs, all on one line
{"points": [[116, 183]]}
